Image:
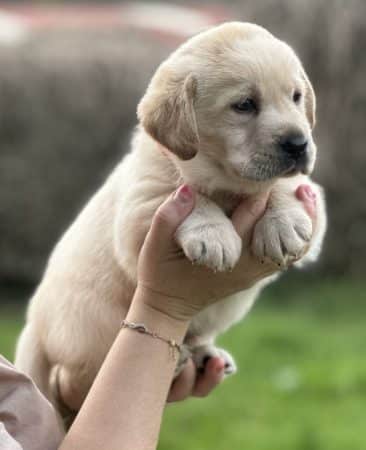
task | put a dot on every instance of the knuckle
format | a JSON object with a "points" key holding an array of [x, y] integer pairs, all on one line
{"points": [[166, 214], [162, 215]]}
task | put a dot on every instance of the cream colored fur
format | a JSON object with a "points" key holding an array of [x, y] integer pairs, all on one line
{"points": [[190, 133]]}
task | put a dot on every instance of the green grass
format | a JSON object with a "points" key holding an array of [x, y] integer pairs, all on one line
{"points": [[302, 376], [301, 383], [11, 322]]}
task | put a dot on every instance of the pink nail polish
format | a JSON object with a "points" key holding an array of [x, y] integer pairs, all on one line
{"points": [[309, 192], [184, 193], [305, 192]]}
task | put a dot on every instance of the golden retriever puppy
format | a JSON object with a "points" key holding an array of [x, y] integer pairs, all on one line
{"points": [[231, 113]]}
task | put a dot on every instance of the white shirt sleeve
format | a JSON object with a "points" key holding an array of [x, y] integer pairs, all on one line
{"points": [[6, 441], [27, 419]]}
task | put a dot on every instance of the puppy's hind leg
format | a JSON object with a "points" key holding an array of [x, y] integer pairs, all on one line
{"points": [[203, 348], [69, 387], [203, 353], [31, 359]]}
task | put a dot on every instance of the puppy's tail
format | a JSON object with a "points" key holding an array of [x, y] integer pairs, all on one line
{"points": [[31, 359]]}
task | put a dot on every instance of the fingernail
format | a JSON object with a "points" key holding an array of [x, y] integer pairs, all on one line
{"points": [[184, 194], [305, 193], [309, 192]]}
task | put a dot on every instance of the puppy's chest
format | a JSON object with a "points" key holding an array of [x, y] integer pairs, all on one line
{"points": [[227, 201], [220, 316]]}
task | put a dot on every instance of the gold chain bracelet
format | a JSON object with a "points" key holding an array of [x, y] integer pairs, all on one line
{"points": [[141, 328]]}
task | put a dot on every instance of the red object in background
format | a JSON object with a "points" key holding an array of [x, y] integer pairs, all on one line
{"points": [[168, 21]]}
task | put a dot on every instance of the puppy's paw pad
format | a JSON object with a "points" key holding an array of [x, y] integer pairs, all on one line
{"points": [[215, 246], [201, 355], [282, 237]]}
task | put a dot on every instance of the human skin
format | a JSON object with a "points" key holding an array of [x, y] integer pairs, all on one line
{"points": [[124, 407]]}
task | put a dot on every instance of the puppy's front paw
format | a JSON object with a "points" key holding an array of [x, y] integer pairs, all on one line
{"points": [[282, 236], [203, 353], [217, 246]]}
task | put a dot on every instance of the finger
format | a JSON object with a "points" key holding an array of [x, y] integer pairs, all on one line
{"points": [[248, 213], [212, 376], [168, 217], [182, 386], [260, 269], [307, 196]]}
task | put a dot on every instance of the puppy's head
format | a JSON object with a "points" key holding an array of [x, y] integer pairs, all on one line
{"points": [[239, 98]]}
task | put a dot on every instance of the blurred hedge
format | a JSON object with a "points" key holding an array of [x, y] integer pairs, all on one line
{"points": [[67, 107]]}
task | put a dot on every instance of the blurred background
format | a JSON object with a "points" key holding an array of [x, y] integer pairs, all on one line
{"points": [[70, 79]]}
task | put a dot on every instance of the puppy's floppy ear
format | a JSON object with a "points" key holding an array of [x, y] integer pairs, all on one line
{"points": [[310, 100], [167, 113]]}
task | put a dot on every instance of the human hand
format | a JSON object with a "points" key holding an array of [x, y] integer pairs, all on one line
{"points": [[181, 289], [191, 383], [185, 289], [307, 196]]}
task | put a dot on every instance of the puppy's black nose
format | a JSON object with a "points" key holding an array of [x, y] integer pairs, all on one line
{"points": [[294, 145]]}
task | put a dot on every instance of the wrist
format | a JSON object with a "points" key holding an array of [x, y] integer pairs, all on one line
{"points": [[147, 307]]}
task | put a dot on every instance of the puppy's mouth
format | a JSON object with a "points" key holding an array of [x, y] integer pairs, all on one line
{"points": [[299, 165], [296, 168], [261, 170]]}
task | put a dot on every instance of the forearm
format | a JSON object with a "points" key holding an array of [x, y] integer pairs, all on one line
{"points": [[124, 407]]}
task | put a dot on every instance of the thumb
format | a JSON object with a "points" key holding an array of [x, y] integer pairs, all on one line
{"points": [[307, 196], [247, 215], [167, 219]]}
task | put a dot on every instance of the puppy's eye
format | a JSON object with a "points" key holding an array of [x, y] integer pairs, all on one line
{"points": [[297, 96], [248, 106]]}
